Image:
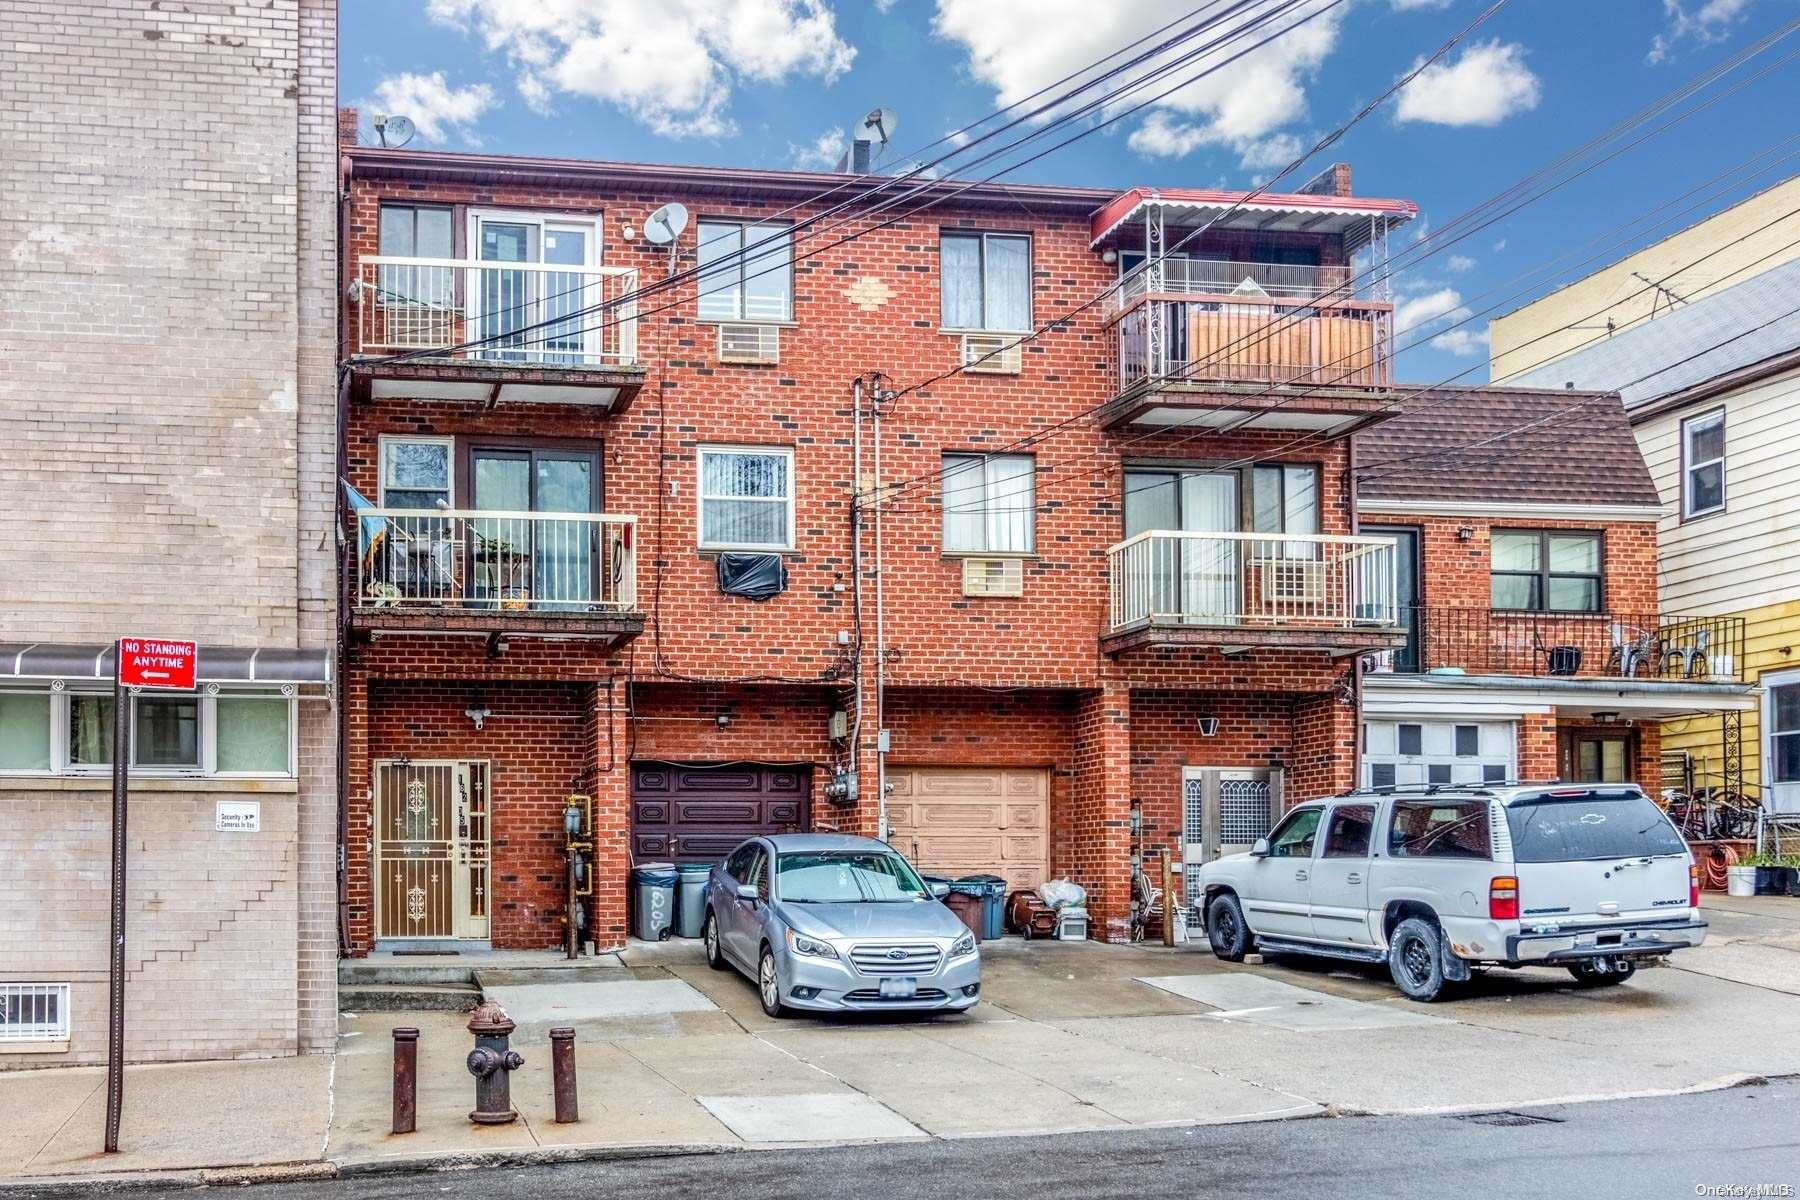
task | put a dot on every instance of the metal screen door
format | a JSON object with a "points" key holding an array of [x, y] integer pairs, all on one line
{"points": [[431, 849], [1223, 811]]}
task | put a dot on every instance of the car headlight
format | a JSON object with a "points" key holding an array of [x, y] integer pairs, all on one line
{"points": [[811, 947], [963, 945]]}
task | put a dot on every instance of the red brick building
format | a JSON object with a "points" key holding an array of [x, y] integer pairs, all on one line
{"points": [[698, 547]]}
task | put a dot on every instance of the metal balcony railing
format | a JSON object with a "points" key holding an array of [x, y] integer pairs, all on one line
{"points": [[1595, 645], [1221, 277], [506, 561], [1235, 338], [537, 314], [1251, 580]]}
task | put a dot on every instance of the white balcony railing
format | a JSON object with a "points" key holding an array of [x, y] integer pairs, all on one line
{"points": [[1250, 580], [508, 561], [538, 314], [1222, 277]]}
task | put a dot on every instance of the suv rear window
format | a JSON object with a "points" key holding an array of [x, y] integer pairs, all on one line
{"points": [[1439, 829], [1598, 825]]}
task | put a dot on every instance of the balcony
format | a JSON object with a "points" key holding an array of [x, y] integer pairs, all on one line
{"points": [[1213, 342], [1480, 641], [494, 333], [1238, 591], [426, 570]]}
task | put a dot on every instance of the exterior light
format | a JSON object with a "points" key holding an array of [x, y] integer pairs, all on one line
{"points": [[1208, 725]]}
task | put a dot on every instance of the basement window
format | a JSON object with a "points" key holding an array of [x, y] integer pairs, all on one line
{"points": [[33, 1013], [235, 733]]}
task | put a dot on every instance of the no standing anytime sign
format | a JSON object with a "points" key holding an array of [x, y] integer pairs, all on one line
{"points": [[156, 663]]}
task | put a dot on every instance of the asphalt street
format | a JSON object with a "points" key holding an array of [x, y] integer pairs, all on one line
{"points": [[1742, 1138]]}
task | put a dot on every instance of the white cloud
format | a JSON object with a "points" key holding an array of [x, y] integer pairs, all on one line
{"points": [[1464, 342], [1428, 309], [670, 64], [1708, 22], [1460, 263], [1016, 47], [440, 112], [1499, 245], [1487, 83], [1416, 5], [820, 154]]}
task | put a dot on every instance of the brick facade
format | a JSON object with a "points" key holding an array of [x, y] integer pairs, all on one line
{"points": [[168, 400]]}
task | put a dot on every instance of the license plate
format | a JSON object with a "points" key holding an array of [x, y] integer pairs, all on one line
{"points": [[899, 989]]}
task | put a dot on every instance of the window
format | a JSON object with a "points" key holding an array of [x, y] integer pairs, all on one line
{"points": [[746, 498], [846, 877], [1285, 499], [1347, 833], [1545, 571], [1784, 732], [986, 281], [746, 271], [1703, 464], [1381, 775], [1602, 825], [415, 473], [990, 503], [1599, 758], [1439, 829], [738, 865], [237, 732], [1437, 773], [413, 231], [1293, 838], [1468, 741], [1411, 739], [34, 1012]]}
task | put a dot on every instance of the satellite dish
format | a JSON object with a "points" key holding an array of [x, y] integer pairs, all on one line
{"points": [[881, 123], [664, 225], [395, 132]]}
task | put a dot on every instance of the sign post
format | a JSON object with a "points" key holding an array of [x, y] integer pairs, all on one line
{"points": [[139, 663]]}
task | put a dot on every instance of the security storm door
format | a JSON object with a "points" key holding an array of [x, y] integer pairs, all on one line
{"points": [[1193, 578], [533, 312], [1223, 811], [431, 849]]}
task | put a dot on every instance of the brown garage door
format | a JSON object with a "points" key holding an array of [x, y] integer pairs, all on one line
{"points": [[964, 820], [695, 814]]}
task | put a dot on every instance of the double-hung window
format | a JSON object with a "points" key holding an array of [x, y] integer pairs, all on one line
{"points": [[746, 498], [415, 473], [1703, 464], [746, 271], [235, 732], [990, 503], [416, 231], [986, 280], [1546, 571]]}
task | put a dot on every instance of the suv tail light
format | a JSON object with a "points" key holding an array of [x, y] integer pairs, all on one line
{"points": [[1693, 885], [1503, 898]]}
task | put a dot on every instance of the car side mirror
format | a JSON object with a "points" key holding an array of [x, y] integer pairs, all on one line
{"points": [[940, 890], [747, 891], [1260, 849]]}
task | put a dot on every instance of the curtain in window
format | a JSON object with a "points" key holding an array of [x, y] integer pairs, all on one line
{"points": [[90, 730], [1008, 284], [745, 499], [1209, 566], [959, 265], [989, 503]]}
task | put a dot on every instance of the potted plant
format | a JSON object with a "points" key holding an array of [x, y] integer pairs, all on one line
{"points": [[1776, 875]]}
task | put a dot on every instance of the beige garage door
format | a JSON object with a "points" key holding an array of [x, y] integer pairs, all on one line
{"points": [[964, 820]]}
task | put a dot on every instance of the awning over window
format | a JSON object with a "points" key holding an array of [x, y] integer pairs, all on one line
{"points": [[217, 664]]}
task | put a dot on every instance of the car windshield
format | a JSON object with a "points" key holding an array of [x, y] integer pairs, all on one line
{"points": [[846, 877], [1597, 825]]}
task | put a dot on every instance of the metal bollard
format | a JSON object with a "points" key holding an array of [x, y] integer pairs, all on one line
{"points": [[562, 1076], [406, 1080], [491, 1062]]}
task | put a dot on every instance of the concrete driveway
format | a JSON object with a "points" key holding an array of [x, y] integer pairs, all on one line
{"points": [[1081, 1036]]}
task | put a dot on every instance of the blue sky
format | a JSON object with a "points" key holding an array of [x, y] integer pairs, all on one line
{"points": [[776, 83]]}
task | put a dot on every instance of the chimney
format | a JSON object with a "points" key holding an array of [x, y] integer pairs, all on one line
{"points": [[1332, 181], [347, 127]]}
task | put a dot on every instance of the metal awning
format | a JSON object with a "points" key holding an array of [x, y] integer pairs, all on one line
{"points": [[1348, 216], [216, 664]]}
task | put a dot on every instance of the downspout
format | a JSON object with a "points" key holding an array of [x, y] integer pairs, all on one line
{"points": [[881, 821], [343, 588], [1356, 660], [856, 400]]}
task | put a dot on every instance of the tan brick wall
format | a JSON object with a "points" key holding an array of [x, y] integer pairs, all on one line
{"points": [[167, 405]]}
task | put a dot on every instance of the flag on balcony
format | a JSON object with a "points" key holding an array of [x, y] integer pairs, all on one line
{"points": [[370, 531]]}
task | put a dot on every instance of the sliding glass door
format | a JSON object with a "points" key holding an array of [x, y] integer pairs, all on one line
{"points": [[1194, 578], [524, 556], [526, 313]]}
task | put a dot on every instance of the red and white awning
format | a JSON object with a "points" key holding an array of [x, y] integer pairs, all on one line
{"points": [[1355, 218]]}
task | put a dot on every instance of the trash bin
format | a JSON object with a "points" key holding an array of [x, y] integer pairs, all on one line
{"points": [[968, 909], [690, 903], [992, 890], [655, 900]]}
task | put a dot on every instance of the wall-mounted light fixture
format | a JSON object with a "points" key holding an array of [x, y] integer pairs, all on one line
{"points": [[1606, 718], [1208, 725], [1109, 257], [724, 719], [1465, 533], [479, 714]]}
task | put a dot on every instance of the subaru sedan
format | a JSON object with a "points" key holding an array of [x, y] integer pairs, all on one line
{"points": [[825, 922]]}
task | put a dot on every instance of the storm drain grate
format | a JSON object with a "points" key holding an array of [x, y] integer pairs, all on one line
{"points": [[1507, 1120]]}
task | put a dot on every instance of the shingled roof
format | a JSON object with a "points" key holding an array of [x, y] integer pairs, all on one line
{"points": [[1505, 446]]}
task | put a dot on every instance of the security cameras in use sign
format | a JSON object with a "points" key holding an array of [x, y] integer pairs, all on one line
{"points": [[156, 663]]}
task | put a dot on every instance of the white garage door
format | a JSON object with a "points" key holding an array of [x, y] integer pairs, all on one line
{"points": [[1419, 752], [973, 820]]}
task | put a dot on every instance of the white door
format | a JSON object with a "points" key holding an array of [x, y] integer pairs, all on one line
{"points": [[1409, 753], [1781, 741], [431, 849], [1223, 811], [532, 311]]}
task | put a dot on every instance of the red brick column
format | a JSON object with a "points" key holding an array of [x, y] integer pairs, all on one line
{"points": [[1324, 755], [1100, 810], [1538, 759], [611, 791]]}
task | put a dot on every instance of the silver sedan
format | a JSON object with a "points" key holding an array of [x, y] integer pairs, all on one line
{"points": [[827, 922]]}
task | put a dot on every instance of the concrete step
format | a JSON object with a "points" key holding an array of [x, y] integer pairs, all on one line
{"points": [[357, 971], [408, 997]]}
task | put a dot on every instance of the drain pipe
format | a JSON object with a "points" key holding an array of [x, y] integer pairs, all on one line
{"points": [[856, 574], [1356, 660], [881, 734]]}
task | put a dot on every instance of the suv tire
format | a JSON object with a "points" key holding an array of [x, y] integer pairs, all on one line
{"points": [[1586, 976], [709, 935], [1416, 959], [1225, 928]]}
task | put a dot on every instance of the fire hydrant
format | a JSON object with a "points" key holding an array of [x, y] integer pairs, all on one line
{"points": [[491, 1063]]}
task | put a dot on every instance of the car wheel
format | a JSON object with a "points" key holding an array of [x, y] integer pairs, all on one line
{"points": [[1225, 928], [1416, 959], [709, 934], [768, 986], [1592, 975]]}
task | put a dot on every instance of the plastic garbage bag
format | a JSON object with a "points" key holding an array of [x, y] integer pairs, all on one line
{"points": [[1063, 893]]}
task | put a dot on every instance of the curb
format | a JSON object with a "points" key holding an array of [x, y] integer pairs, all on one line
{"points": [[189, 1177], [537, 1156]]}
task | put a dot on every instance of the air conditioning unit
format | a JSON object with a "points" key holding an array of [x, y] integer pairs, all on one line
{"points": [[749, 343], [992, 353], [993, 577], [1292, 580]]}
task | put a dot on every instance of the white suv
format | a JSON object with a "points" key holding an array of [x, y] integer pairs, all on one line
{"points": [[1436, 881]]}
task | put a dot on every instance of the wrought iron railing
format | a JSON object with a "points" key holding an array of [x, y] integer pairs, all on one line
{"points": [[1604, 645], [1251, 580]]}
